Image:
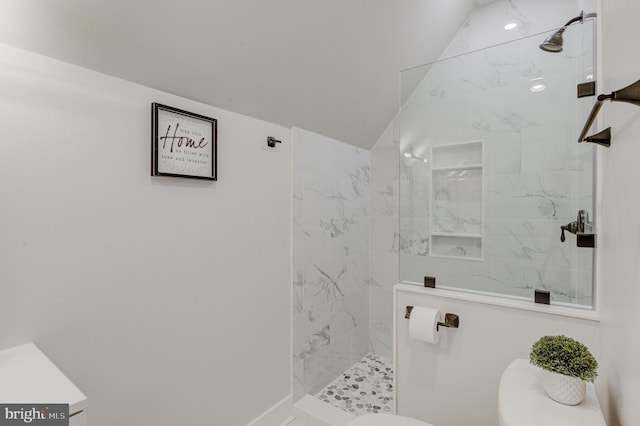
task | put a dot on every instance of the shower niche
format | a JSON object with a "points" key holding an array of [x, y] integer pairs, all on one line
{"points": [[457, 200]]}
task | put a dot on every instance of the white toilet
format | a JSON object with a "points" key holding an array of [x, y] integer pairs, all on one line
{"points": [[386, 420], [523, 402]]}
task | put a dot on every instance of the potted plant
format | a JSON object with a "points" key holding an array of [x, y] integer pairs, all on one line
{"points": [[566, 367]]}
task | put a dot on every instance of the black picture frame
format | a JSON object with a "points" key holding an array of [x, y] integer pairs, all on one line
{"points": [[183, 144]]}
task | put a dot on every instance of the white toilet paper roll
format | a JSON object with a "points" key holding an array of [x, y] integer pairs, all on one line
{"points": [[422, 324]]}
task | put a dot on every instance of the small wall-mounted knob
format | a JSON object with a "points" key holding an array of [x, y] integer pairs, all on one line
{"points": [[582, 228], [271, 141]]}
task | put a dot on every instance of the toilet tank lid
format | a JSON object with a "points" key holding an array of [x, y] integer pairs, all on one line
{"points": [[523, 402], [386, 420]]}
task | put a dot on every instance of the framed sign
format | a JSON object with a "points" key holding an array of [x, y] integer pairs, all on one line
{"points": [[183, 144]]}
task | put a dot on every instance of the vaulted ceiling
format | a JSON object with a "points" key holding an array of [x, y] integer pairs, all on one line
{"points": [[329, 66]]}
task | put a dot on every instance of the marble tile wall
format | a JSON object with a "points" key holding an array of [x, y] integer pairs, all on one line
{"points": [[330, 259], [536, 176], [385, 239]]}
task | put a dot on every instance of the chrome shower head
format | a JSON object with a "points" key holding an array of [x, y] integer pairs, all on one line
{"points": [[554, 42]]}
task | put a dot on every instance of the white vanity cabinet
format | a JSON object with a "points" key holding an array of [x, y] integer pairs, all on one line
{"points": [[27, 376]]}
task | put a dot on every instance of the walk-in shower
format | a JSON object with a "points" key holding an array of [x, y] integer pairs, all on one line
{"points": [[470, 184], [497, 128]]}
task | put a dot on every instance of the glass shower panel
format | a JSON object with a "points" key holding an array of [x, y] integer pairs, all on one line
{"points": [[490, 168]]}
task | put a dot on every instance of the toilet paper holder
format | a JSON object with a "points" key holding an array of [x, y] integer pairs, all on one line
{"points": [[450, 320]]}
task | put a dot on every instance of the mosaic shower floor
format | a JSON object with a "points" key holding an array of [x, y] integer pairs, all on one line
{"points": [[365, 388]]}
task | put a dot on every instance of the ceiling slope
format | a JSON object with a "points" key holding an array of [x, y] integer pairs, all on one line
{"points": [[329, 66]]}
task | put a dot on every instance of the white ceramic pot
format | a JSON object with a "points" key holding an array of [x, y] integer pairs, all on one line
{"points": [[564, 389]]}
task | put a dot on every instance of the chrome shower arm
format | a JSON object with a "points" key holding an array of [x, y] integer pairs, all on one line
{"points": [[578, 18]]}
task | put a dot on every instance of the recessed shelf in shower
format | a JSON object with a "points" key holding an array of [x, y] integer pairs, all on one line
{"points": [[456, 220]]}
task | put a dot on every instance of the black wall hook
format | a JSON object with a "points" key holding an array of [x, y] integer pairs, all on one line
{"points": [[271, 141]]}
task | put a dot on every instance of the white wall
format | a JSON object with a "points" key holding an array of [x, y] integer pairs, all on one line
{"points": [[167, 301], [619, 235], [455, 382]]}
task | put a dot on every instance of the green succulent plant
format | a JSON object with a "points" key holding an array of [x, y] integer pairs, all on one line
{"points": [[564, 355]]}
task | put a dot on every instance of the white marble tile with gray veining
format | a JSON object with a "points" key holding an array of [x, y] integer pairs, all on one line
{"points": [[385, 198], [534, 176], [330, 256], [414, 235]]}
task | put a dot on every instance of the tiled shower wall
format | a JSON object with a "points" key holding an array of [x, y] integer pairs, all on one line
{"points": [[536, 175], [384, 241], [404, 231], [330, 259]]}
